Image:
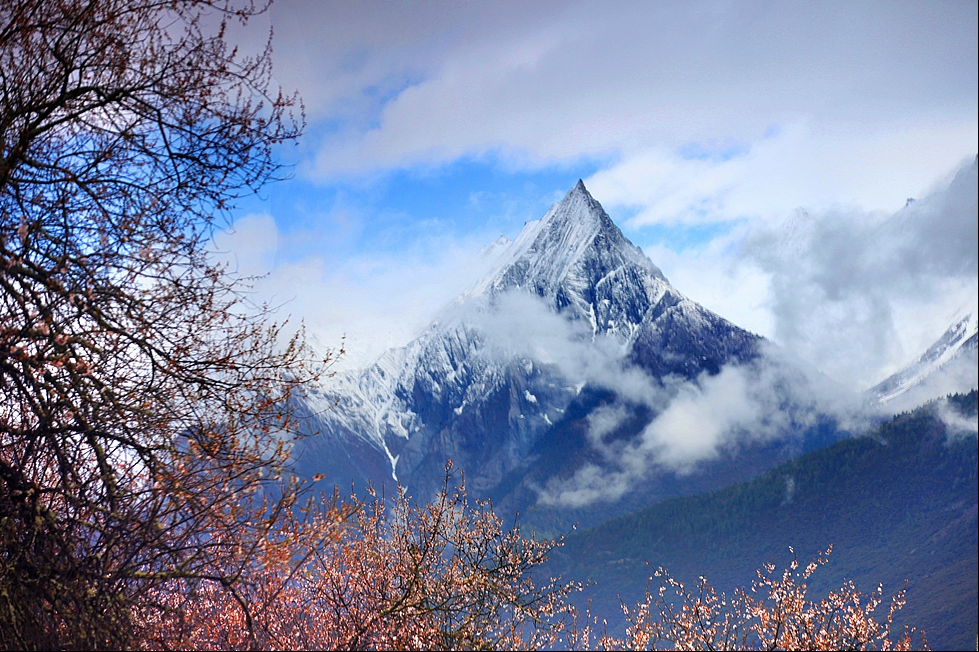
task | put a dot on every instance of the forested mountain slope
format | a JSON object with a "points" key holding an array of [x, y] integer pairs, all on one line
{"points": [[899, 503]]}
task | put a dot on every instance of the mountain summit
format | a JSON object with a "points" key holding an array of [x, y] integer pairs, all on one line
{"points": [[550, 256], [570, 291], [578, 261]]}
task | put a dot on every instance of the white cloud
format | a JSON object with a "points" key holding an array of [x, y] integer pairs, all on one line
{"points": [[369, 303], [861, 294], [374, 302], [248, 248], [858, 293], [798, 166], [700, 417], [714, 276], [520, 325], [957, 424], [402, 84], [774, 397]]}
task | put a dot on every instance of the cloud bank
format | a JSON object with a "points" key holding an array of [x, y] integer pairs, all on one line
{"points": [[694, 421], [403, 84], [845, 284], [761, 402]]}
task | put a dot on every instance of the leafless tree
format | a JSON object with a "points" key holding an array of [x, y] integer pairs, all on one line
{"points": [[143, 408]]}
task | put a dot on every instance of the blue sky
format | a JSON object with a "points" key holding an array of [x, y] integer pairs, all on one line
{"points": [[458, 200], [434, 127]]}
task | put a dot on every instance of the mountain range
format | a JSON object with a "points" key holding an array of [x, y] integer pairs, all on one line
{"points": [[574, 385], [559, 380]]}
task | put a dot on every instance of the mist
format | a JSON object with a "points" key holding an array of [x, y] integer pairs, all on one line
{"points": [[846, 285], [775, 396], [957, 425]]}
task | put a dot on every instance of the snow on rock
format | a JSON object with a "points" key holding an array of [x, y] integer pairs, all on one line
{"points": [[952, 350], [443, 396]]}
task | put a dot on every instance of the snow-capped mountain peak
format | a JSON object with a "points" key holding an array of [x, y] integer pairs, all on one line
{"points": [[448, 395], [548, 248], [580, 263]]}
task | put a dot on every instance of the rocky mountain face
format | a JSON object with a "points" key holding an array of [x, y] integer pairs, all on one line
{"points": [[500, 373]]}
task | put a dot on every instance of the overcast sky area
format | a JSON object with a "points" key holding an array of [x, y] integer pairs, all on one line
{"points": [[757, 152]]}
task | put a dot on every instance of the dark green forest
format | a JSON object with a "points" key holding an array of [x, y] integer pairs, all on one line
{"points": [[899, 503]]}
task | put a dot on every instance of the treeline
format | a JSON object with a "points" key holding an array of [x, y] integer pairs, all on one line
{"points": [[898, 503]]}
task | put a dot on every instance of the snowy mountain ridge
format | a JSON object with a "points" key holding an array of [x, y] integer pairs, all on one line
{"points": [[961, 338], [448, 393]]}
